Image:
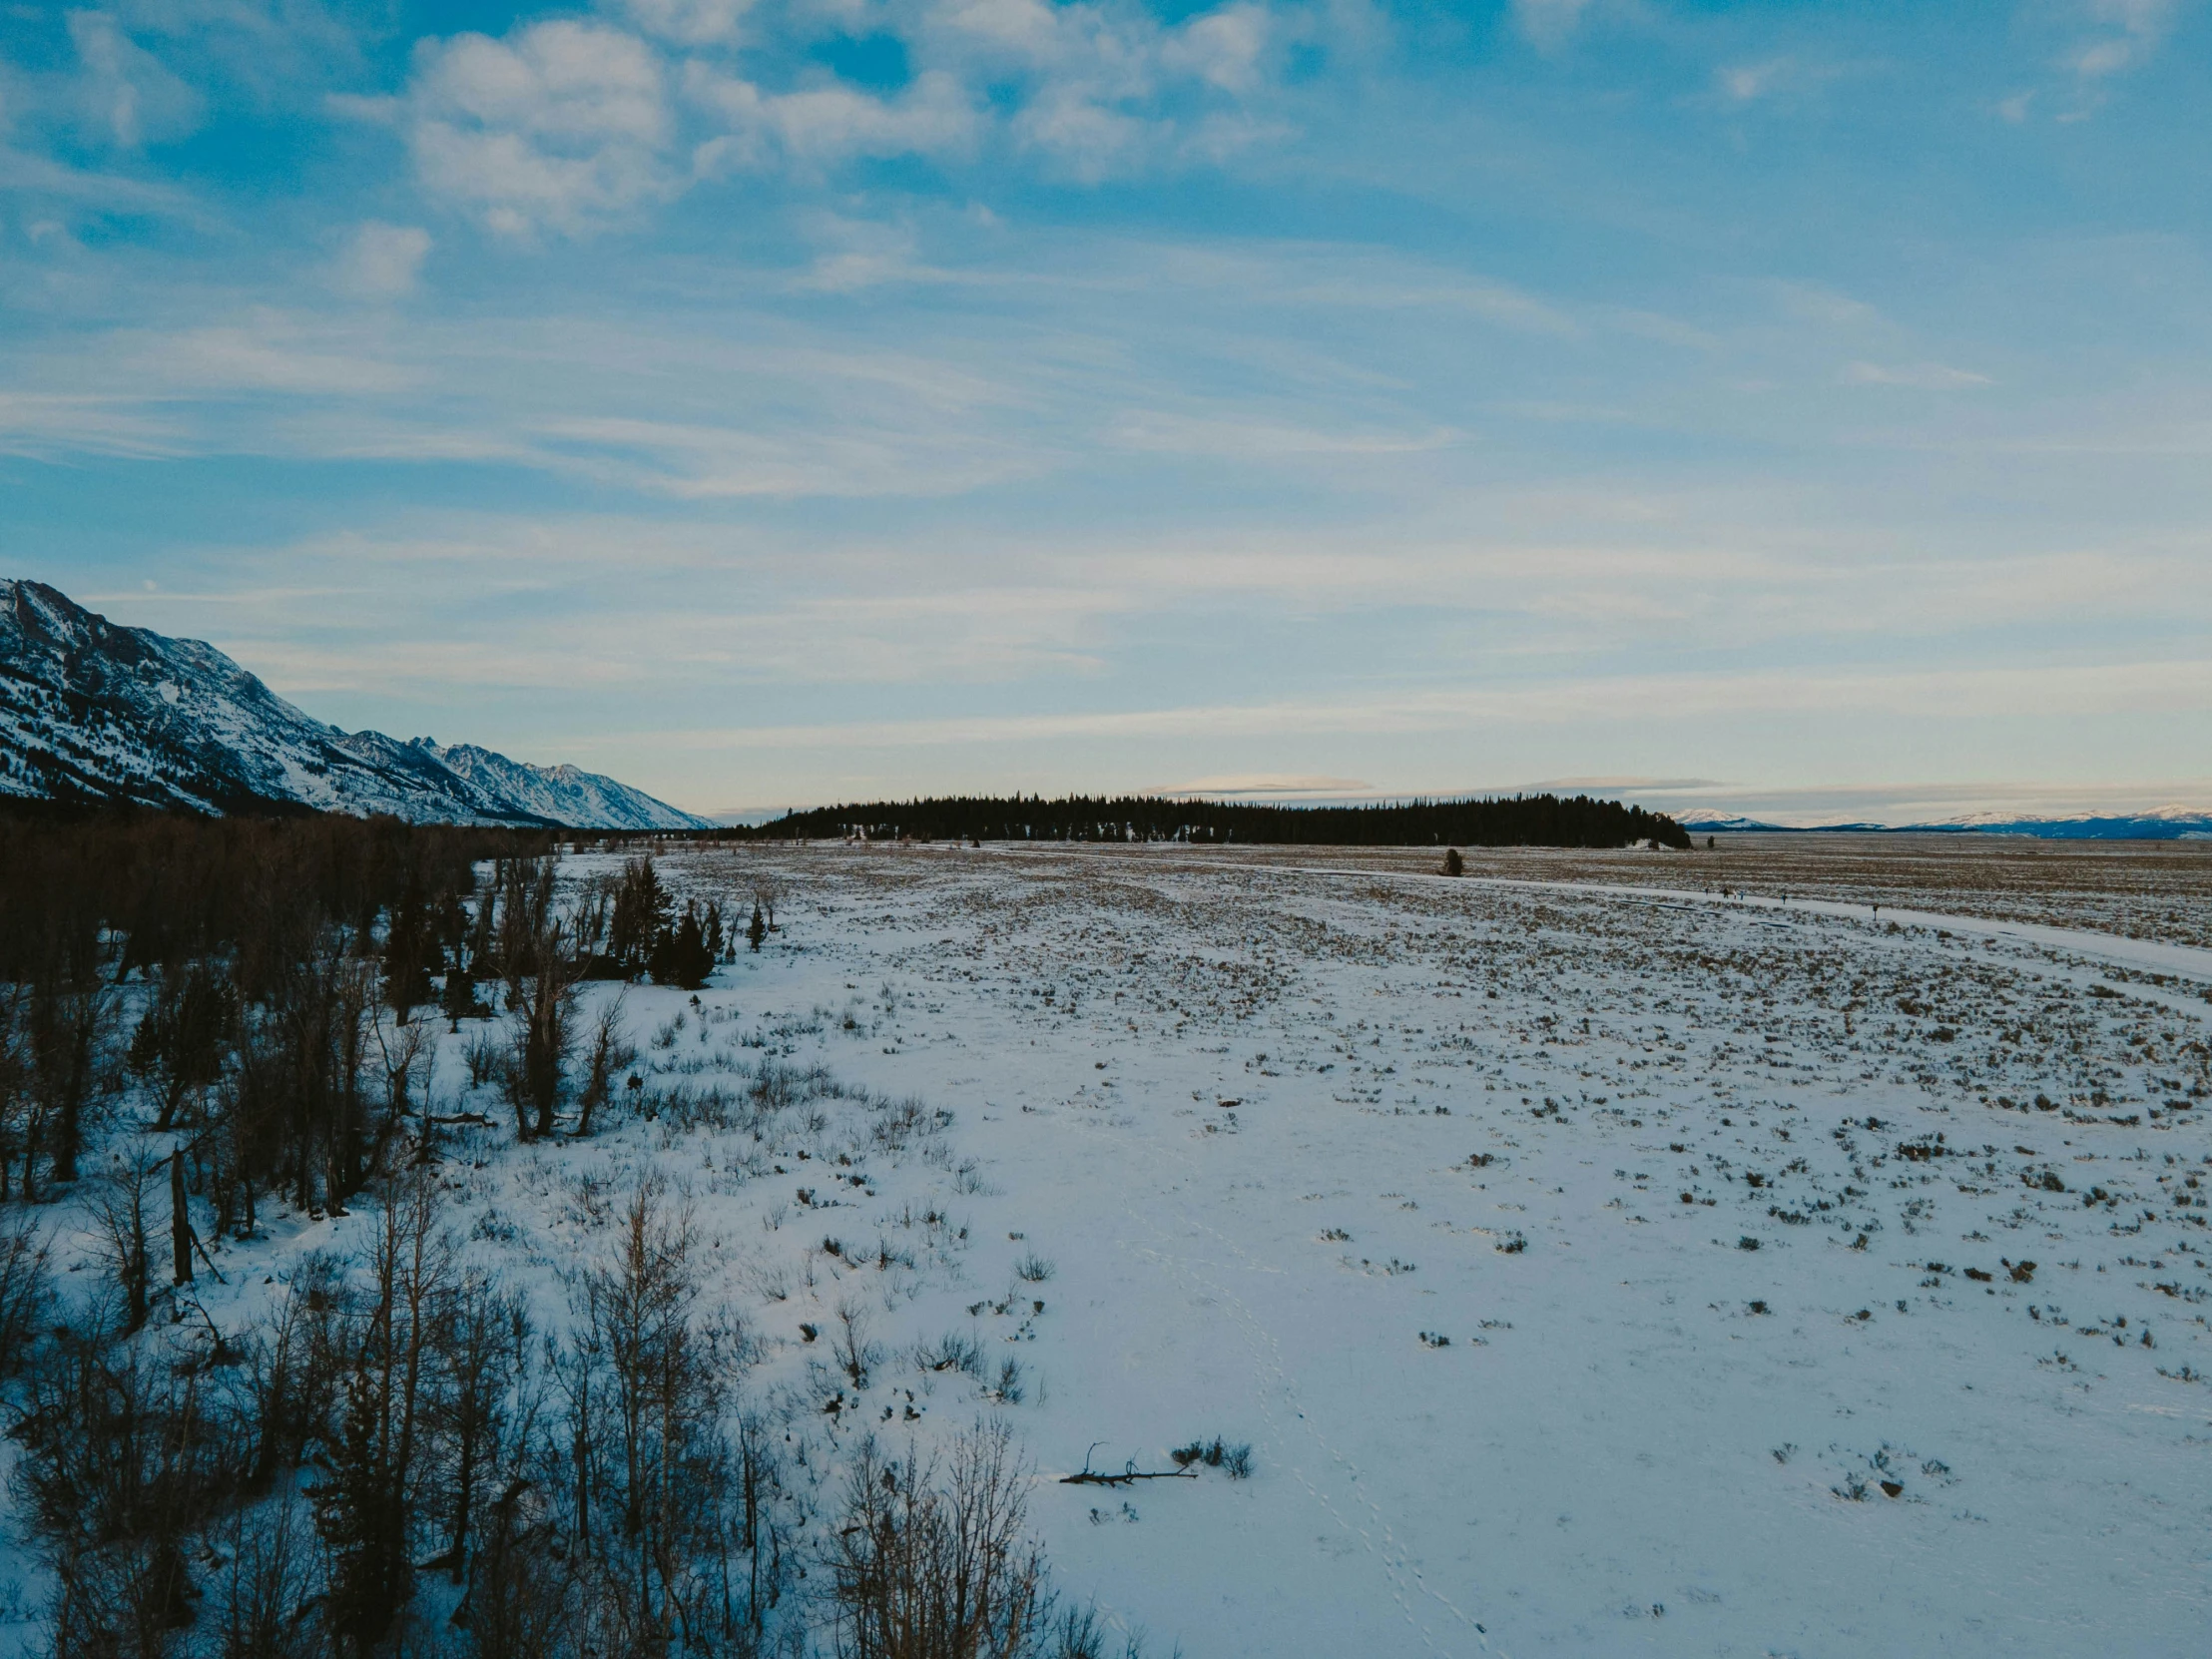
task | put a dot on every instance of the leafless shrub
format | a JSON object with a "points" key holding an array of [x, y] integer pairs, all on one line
{"points": [[25, 1289], [955, 1352], [119, 1216], [1233, 1460], [607, 1050], [770, 890], [898, 1124], [126, 1453], [486, 1059], [856, 1355], [267, 1594], [923, 1571]]}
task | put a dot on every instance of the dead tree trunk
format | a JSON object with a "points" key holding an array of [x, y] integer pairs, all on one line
{"points": [[180, 1220]]}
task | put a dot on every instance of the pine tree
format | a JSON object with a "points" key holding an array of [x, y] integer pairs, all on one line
{"points": [[683, 957], [354, 1514], [459, 1000], [641, 920], [409, 949]]}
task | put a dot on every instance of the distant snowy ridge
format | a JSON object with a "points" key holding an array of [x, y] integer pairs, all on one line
{"points": [[2160, 824], [92, 712], [564, 794]]}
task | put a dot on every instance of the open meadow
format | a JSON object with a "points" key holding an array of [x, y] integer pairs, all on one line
{"points": [[1589, 1271], [1590, 1261]]}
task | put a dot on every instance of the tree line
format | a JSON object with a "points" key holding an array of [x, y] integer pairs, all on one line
{"points": [[272, 974], [1510, 820]]}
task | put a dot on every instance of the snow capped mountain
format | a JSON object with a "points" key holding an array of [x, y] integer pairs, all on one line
{"points": [[1706, 819], [2162, 823], [92, 712], [564, 794]]}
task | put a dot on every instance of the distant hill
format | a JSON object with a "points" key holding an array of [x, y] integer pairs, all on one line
{"points": [[92, 713], [2167, 823], [1513, 821]]}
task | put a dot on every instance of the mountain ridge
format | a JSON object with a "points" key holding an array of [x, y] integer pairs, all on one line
{"points": [[92, 712], [2156, 824]]}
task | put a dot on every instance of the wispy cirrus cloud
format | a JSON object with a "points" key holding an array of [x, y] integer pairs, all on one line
{"points": [[2112, 688], [56, 425], [1922, 377]]}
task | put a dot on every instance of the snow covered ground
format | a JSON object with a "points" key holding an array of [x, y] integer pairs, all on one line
{"points": [[1590, 1271]]}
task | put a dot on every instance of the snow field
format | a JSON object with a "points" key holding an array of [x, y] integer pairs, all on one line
{"points": [[1615, 1428], [1580, 1266]]}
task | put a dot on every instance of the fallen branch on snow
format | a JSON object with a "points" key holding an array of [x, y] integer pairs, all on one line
{"points": [[1129, 1475]]}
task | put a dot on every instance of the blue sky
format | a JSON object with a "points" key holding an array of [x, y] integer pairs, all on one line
{"points": [[1794, 406]]}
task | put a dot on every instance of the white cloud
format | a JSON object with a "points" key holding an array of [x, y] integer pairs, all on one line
{"points": [[1976, 692], [265, 352], [559, 126], [1264, 785], [1746, 82], [564, 125], [858, 254], [1811, 302], [1026, 31], [702, 462], [2139, 28], [1241, 437], [821, 126], [1222, 48], [42, 176], [1087, 137], [1548, 23], [1104, 88], [690, 22], [123, 89], [45, 426], [1925, 376], [381, 261]]}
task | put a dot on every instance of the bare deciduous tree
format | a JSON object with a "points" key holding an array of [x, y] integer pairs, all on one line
{"points": [[366, 1509], [542, 957], [118, 1203], [769, 891], [403, 1049], [24, 1289], [607, 1050], [267, 1591]]}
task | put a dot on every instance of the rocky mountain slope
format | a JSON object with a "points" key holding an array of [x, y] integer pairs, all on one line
{"points": [[92, 712]]}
